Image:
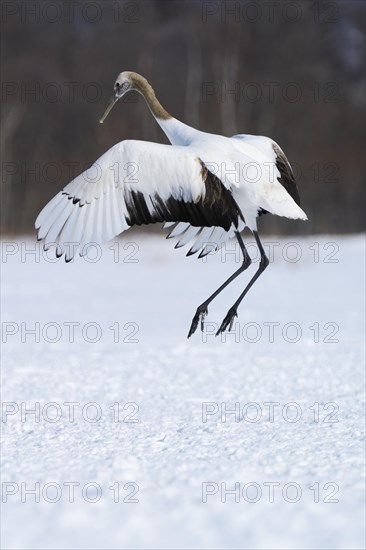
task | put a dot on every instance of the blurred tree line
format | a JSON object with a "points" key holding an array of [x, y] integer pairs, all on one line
{"points": [[291, 70]]}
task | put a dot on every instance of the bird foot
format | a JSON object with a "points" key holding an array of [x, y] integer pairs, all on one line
{"points": [[199, 317], [228, 321]]}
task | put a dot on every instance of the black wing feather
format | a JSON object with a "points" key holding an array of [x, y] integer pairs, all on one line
{"points": [[216, 208], [286, 179]]}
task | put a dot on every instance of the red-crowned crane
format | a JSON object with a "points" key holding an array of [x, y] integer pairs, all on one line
{"points": [[209, 187]]}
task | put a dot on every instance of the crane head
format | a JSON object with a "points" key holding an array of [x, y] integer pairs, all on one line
{"points": [[125, 82]]}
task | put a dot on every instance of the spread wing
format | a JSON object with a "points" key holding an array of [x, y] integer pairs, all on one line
{"points": [[135, 183], [274, 190]]}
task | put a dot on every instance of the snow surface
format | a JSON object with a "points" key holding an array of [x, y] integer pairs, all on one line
{"points": [[172, 451]]}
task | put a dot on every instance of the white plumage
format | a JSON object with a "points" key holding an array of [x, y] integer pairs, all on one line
{"points": [[207, 186], [92, 208]]}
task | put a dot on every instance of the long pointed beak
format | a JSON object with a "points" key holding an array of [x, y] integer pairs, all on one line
{"points": [[113, 100]]}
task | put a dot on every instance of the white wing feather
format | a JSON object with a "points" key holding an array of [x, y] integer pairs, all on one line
{"points": [[261, 186], [93, 207]]}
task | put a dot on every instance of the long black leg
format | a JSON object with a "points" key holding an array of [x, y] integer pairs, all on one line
{"points": [[202, 309], [232, 313]]}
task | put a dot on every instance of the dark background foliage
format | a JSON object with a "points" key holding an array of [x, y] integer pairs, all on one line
{"points": [[291, 70]]}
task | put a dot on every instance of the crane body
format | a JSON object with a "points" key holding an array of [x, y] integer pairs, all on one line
{"points": [[206, 187]]}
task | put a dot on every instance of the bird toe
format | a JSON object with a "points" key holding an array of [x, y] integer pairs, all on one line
{"points": [[228, 321], [198, 318]]}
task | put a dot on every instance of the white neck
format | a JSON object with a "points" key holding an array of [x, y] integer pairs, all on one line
{"points": [[176, 131]]}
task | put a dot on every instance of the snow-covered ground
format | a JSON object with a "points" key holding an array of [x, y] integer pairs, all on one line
{"points": [[135, 417]]}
